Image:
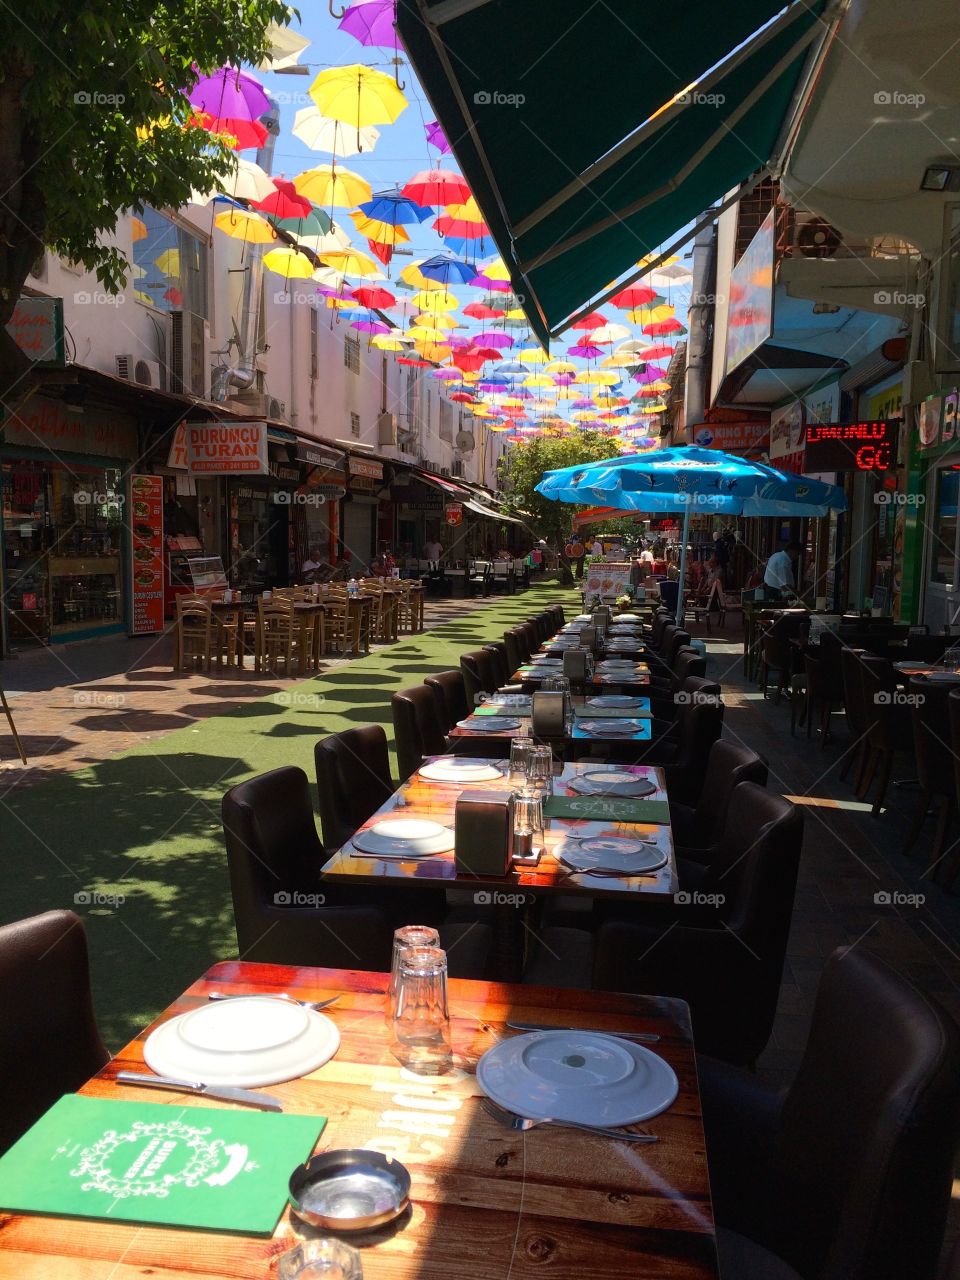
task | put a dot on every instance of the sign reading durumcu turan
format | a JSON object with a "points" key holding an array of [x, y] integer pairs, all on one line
{"points": [[851, 446], [227, 448]]}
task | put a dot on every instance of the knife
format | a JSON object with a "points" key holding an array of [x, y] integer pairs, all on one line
{"points": [[648, 1037], [226, 1093]]}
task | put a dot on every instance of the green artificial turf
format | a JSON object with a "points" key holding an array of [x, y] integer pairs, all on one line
{"points": [[146, 824]]}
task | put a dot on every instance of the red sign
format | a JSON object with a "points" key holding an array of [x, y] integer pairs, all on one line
{"points": [[732, 437], [146, 556], [852, 446], [453, 513], [227, 448]]}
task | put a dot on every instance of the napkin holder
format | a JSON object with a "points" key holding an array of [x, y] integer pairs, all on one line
{"points": [[601, 620], [483, 833], [575, 664], [588, 638], [548, 714]]}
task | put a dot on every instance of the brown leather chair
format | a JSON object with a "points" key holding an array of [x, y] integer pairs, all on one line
{"points": [[847, 1174], [779, 654], [686, 662], [531, 637], [450, 694], [275, 855], [479, 675], [661, 619], [888, 728], [681, 747], [824, 691], [517, 651], [728, 962], [928, 704], [502, 671], [417, 730], [697, 828], [49, 1042], [353, 780], [857, 751]]}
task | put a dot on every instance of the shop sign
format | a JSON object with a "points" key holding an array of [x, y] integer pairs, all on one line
{"points": [[315, 455], [823, 405], [364, 467], [177, 459], [884, 400], [227, 448], [361, 484], [750, 313], [289, 475], [329, 492], [732, 437], [36, 326], [425, 504], [49, 424], [146, 557], [938, 420], [454, 513], [852, 446], [786, 438]]}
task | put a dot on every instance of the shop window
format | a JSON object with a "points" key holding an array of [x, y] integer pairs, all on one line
{"points": [[944, 553], [169, 265], [351, 354], [355, 424]]}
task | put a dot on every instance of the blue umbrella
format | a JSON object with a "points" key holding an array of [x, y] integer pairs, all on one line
{"points": [[395, 208], [692, 479], [447, 270]]}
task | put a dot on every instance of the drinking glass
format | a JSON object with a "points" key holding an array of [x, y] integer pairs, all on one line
{"points": [[540, 770], [527, 823], [520, 749], [951, 659], [324, 1258], [421, 1024], [411, 935]]}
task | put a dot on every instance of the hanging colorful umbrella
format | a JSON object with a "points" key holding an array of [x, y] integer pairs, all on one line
{"points": [[247, 182], [394, 207], [373, 327], [560, 366], [494, 338], [386, 342], [328, 186], [435, 299], [590, 322], [231, 102], [288, 262], [478, 311], [453, 225], [316, 223], [284, 201], [333, 241], [493, 275], [462, 397], [445, 270], [585, 351], [320, 133], [358, 96], [245, 226], [662, 327], [373, 296], [416, 361], [350, 262], [437, 186], [635, 295], [656, 352], [608, 333], [436, 137], [373, 23]]}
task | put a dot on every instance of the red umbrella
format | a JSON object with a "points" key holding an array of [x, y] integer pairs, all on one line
{"points": [[593, 321], [383, 252], [655, 352], [635, 295], [285, 202], [472, 358], [463, 397], [245, 133], [414, 360], [436, 186], [372, 296], [478, 311], [660, 328]]}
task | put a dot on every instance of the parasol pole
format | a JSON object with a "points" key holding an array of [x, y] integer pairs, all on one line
{"points": [[683, 559]]}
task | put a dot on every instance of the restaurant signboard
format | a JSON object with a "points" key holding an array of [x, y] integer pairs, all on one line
{"points": [[937, 421], [227, 448], [732, 437], [36, 326], [366, 467], [146, 559], [852, 446], [750, 310]]}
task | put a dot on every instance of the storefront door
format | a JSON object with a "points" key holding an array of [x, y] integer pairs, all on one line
{"points": [[358, 532]]}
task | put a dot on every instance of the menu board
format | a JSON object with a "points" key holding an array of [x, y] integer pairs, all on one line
{"points": [[606, 579], [146, 555]]}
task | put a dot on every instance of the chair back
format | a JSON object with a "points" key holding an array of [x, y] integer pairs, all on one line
{"points": [[516, 649], [416, 727], [728, 764], [688, 662], [887, 718], [473, 667], [699, 723], [662, 618], [450, 694], [49, 1042], [531, 638], [869, 1128], [928, 702], [502, 671], [851, 676], [353, 780]]}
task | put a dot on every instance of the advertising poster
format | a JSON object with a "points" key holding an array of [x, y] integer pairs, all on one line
{"points": [[787, 437], [146, 555], [750, 314]]}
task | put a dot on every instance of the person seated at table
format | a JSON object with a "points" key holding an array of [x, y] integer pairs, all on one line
{"points": [[433, 550], [379, 567], [315, 568]]}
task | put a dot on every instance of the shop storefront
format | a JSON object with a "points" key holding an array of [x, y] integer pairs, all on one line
{"points": [[359, 517], [931, 509], [323, 489], [63, 479]]}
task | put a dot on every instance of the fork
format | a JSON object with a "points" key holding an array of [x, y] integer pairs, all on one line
{"points": [[523, 1123], [316, 1005]]}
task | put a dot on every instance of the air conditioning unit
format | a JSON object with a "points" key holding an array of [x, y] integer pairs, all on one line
{"points": [[814, 237], [276, 408], [466, 442], [387, 429], [189, 354], [147, 373]]}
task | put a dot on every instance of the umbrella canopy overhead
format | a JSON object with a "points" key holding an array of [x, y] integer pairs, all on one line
{"points": [[320, 133], [357, 95]]}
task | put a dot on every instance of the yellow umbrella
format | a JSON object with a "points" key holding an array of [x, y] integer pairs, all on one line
{"points": [[341, 304], [517, 313], [168, 262], [468, 212], [532, 355], [596, 378], [568, 393], [470, 375], [288, 262], [386, 342], [245, 226], [379, 232], [351, 262], [584, 415], [648, 315], [413, 275], [560, 366], [538, 380], [435, 300], [655, 408], [495, 270], [425, 333], [441, 320], [623, 360], [325, 185], [436, 351], [358, 96]]}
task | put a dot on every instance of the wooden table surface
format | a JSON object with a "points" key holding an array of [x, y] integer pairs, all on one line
{"points": [[600, 682], [487, 1203], [461, 732], [436, 801]]}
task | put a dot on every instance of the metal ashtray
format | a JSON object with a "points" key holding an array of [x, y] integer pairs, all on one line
{"points": [[349, 1190]]}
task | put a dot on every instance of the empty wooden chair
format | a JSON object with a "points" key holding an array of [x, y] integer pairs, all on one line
{"points": [[195, 630]]}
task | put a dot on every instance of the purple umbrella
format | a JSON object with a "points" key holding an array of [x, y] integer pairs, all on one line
{"points": [[372, 22], [649, 373], [583, 403], [436, 137], [447, 375], [370, 326], [495, 339], [229, 94], [585, 351]]}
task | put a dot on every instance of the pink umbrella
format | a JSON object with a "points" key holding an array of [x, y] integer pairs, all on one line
{"points": [[447, 375], [649, 373], [285, 202], [370, 326]]}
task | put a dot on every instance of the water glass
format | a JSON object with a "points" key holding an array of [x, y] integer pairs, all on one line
{"points": [[520, 749], [951, 659], [411, 935], [321, 1259], [540, 770], [527, 823], [421, 1024]]}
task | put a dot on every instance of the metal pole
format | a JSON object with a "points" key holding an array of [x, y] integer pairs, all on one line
{"points": [[683, 559]]}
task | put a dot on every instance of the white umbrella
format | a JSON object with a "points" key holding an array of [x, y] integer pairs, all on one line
{"points": [[320, 133], [609, 333], [285, 48], [247, 182], [335, 241]]}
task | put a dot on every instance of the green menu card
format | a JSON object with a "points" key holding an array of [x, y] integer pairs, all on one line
{"points": [[616, 808], [147, 1162]]}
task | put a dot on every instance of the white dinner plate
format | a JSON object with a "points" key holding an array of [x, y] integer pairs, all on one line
{"points": [[494, 724], [627, 617], [612, 782], [454, 770], [245, 1042], [614, 855], [613, 728], [615, 700], [577, 1075]]}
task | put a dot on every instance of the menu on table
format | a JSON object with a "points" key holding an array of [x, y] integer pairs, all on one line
{"points": [[170, 1165], [146, 555]]}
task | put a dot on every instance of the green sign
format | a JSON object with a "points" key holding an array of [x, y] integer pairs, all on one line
{"points": [[614, 808]]}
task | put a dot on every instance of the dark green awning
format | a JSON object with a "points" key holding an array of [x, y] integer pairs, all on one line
{"points": [[592, 76]]}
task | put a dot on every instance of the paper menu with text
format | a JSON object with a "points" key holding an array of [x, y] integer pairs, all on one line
{"points": [[169, 1165]]}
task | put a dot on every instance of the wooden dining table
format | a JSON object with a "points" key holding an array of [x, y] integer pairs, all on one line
{"points": [[486, 1203], [473, 728]]}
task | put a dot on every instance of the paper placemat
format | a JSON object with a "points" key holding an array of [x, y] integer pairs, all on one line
{"points": [[170, 1165], [623, 713], [616, 808]]}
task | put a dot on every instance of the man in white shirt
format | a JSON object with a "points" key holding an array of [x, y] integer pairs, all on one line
{"points": [[779, 572], [596, 548], [432, 550]]}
